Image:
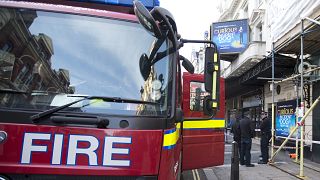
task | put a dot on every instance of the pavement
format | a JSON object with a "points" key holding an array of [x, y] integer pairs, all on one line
{"points": [[283, 167]]}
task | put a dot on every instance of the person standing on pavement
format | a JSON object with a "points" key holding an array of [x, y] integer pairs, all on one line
{"points": [[235, 129], [247, 132], [265, 129]]}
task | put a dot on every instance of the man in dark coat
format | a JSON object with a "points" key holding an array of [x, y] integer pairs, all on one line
{"points": [[247, 132], [265, 129]]}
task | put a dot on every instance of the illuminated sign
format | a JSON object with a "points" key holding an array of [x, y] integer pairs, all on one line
{"points": [[285, 118], [230, 36], [147, 3]]}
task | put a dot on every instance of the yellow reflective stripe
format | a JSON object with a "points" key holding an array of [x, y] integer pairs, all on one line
{"points": [[170, 137], [218, 123], [216, 67], [214, 86], [178, 125], [214, 104], [215, 57]]}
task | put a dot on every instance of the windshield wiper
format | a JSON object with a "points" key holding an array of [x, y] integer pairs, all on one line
{"points": [[37, 117]]}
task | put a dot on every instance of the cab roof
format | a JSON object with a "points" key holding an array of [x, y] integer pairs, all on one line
{"points": [[75, 7]]}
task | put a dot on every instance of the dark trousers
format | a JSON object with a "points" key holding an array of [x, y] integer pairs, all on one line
{"points": [[245, 155], [264, 142], [239, 146]]}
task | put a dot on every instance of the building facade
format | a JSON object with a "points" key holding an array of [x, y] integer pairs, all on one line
{"points": [[241, 93], [288, 21], [275, 25]]}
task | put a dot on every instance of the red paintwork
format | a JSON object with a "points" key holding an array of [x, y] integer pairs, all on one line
{"points": [[68, 9], [202, 147], [187, 78], [169, 162], [144, 151]]}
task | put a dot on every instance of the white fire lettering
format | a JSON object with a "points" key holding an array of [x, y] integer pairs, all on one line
{"points": [[107, 158], [28, 147], [73, 149]]}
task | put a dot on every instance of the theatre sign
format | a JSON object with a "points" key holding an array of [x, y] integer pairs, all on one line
{"points": [[231, 36]]}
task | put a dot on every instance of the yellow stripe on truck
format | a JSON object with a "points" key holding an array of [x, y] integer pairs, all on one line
{"points": [[204, 124], [171, 137]]}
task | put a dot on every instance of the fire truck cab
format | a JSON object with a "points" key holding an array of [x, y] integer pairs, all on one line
{"points": [[89, 93]]}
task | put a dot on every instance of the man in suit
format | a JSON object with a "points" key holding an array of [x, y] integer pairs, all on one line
{"points": [[247, 132], [265, 129]]}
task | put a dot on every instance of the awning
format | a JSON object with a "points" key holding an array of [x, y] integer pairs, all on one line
{"points": [[249, 81], [284, 66], [290, 43], [311, 42]]}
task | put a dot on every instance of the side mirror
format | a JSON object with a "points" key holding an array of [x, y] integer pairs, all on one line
{"points": [[212, 75], [187, 64], [145, 66], [146, 19]]}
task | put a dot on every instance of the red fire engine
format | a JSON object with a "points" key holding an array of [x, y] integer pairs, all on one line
{"points": [[89, 93]]}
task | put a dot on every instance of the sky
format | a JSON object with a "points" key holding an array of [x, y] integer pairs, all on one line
{"points": [[193, 18]]}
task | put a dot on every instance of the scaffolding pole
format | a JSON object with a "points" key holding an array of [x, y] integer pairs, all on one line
{"points": [[295, 76], [297, 119], [273, 110], [301, 174]]}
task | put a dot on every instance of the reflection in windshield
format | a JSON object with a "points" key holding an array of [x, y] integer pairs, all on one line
{"points": [[80, 56]]}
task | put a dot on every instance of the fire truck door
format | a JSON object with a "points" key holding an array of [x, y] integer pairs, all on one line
{"points": [[203, 137]]}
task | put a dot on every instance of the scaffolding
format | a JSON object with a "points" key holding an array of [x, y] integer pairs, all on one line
{"points": [[300, 124]]}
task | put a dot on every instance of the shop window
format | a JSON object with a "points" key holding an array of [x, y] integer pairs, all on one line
{"points": [[197, 94]]}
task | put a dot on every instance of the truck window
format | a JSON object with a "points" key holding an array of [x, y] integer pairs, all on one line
{"points": [[57, 58], [197, 94]]}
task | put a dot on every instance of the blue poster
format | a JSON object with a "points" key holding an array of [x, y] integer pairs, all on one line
{"points": [[286, 118], [230, 36]]}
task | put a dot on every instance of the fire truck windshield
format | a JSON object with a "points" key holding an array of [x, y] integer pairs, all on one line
{"points": [[51, 59]]}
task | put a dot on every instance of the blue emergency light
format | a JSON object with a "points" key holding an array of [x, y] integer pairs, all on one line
{"points": [[129, 3]]}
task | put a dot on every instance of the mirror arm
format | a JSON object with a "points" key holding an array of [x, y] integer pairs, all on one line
{"points": [[159, 16], [199, 41], [161, 55], [156, 47]]}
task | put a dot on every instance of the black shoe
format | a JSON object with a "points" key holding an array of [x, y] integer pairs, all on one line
{"points": [[241, 163], [250, 165], [262, 162]]}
